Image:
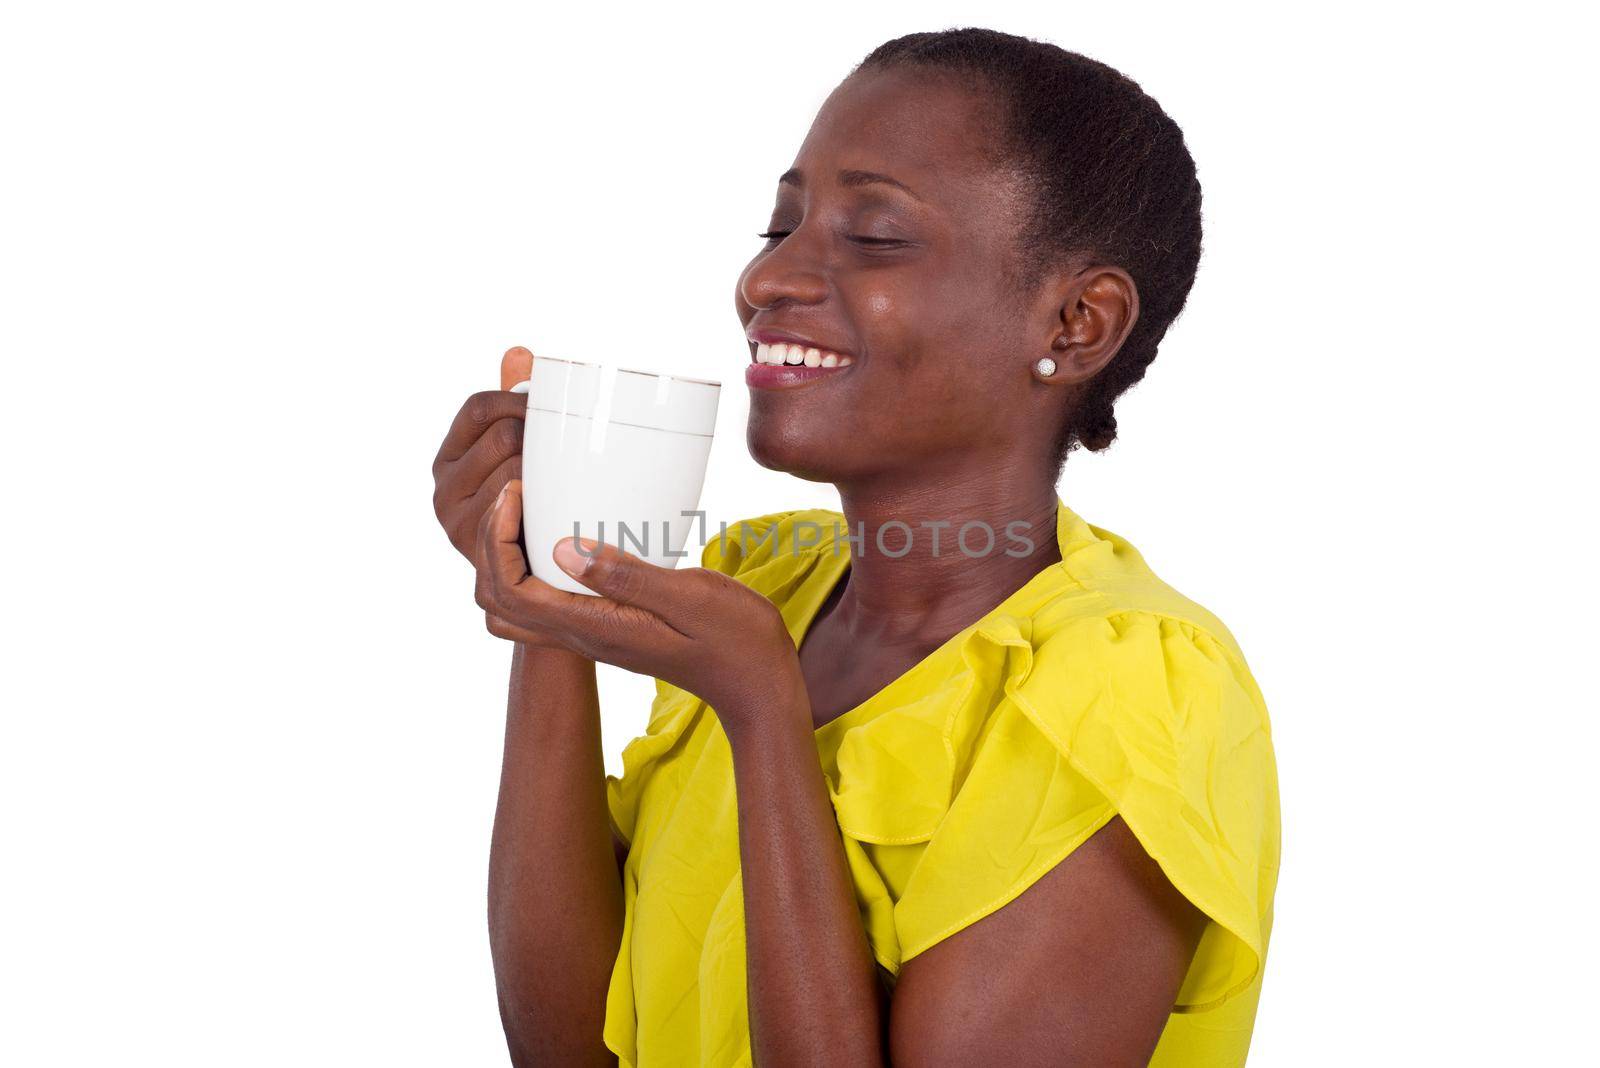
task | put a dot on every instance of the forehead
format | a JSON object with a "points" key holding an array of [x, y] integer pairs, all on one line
{"points": [[925, 128]]}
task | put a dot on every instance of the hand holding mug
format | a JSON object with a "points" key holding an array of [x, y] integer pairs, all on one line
{"points": [[701, 630], [480, 454]]}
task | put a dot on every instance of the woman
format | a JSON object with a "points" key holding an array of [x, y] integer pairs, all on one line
{"points": [[898, 803]]}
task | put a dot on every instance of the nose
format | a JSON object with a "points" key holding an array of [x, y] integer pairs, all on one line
{"points": [[788, 272]]}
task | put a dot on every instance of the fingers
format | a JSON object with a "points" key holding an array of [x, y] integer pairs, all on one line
{"points": [[626, 579], [500, 553], [462, 493], [593, 626], [499, 442], [470, 514], [481, 411], [497, 573], [515, 366]]}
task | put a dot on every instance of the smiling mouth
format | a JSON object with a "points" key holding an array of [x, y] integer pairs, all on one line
{"points": [[782, 353], [783, 366]]}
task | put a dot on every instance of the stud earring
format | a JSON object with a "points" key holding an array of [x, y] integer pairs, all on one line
{"points": [[1046, 367]]}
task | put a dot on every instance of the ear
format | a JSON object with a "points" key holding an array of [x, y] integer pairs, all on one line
{"points": [[1097, 310]]}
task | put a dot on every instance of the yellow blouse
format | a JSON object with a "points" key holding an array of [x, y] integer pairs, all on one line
{"points": [[1093, 690]]}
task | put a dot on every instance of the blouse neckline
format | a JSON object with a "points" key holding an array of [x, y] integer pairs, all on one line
{"points": [[829, 568]]}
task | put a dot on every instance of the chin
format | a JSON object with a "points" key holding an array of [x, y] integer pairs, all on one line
{"points": [[778, 445]]}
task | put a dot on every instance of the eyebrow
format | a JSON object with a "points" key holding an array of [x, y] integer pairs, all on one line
{"points": [[850, 179]]}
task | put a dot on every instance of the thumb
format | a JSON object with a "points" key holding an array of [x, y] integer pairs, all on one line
{"points": [[515, 366], [621, 576]]}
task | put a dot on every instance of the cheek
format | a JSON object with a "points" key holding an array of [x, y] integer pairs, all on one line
{"points": [[936, 341], [897, 330]]}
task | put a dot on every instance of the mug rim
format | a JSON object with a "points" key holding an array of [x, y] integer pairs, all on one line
{"points": [[631, 371]]}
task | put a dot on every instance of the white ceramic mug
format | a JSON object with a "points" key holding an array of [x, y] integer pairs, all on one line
{"points": [[615, 455]]}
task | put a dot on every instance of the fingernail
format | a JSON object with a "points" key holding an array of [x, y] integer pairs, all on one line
{"points": [[502, 494], [574, 555]]}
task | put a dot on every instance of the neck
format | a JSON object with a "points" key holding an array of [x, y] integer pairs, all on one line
{"points": [[931, 587]]}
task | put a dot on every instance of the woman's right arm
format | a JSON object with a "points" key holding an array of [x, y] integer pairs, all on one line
{"points": [[555, 893], [555, 890]]}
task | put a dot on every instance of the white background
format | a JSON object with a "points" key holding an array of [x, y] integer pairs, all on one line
{"points": [[255, 255]]}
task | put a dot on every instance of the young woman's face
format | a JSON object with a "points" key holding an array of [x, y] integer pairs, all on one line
{"points": [[914, 285]]}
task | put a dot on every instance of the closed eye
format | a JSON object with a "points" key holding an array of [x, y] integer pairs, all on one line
{"points": [[860, 239]]}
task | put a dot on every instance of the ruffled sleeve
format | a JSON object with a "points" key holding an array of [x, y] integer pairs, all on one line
{"points": [[1133, 714]]}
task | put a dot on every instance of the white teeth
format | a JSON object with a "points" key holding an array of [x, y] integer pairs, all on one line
{"points": [[781, 353]]}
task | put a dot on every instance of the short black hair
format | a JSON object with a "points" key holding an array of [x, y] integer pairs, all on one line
{"points": [[1110, 176]]}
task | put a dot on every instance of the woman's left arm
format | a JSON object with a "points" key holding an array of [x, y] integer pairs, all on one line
{"points": [[814, 993]]}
